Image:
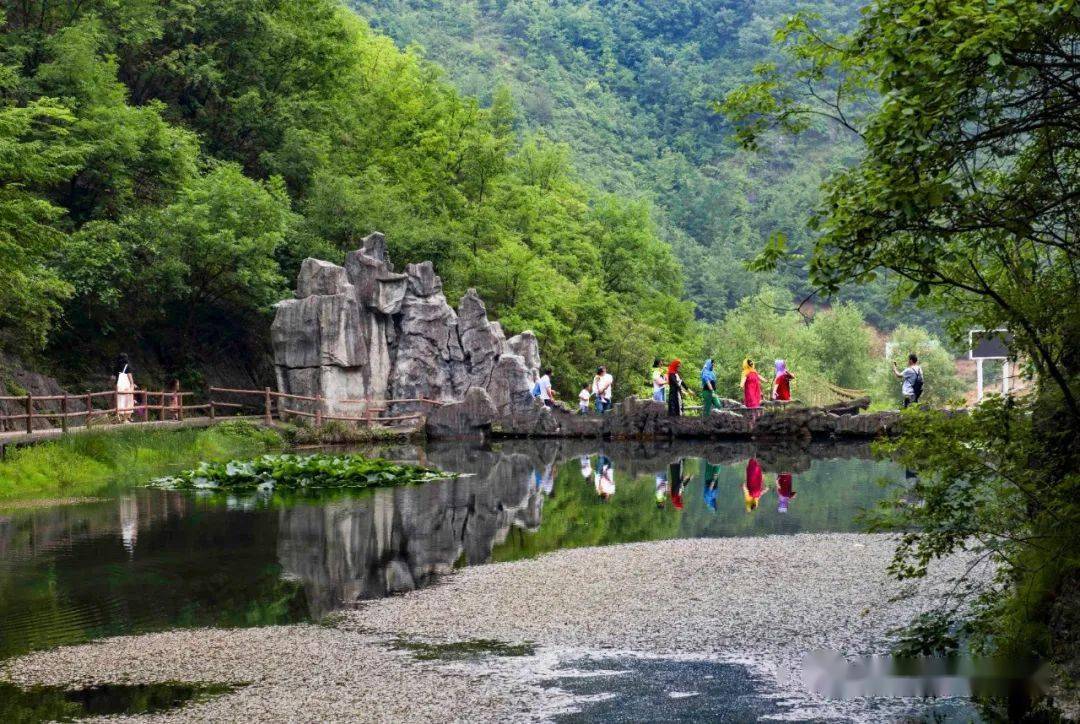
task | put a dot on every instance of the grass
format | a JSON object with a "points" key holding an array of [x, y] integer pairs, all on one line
{"points": [[95, 463]]}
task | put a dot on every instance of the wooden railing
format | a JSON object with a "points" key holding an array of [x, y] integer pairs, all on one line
{"points": [[266, 405], [169, 404], [173, 405]]}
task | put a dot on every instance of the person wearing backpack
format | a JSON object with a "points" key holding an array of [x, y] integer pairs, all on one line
{"points": [[912, 376]]}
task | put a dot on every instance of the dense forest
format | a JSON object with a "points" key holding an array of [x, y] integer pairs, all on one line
{"points": [[631, 87], [166, 167]]}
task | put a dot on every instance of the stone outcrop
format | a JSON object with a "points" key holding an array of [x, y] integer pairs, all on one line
{"points": [[635, 419], [472, 417], [366, 332]]}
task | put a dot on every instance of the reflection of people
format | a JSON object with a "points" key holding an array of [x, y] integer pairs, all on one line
{"points": [[546, 482], [754, 487], [784, 493], [661, 489], [678, 482], [586, 467], [604, 478], [710, 481]]}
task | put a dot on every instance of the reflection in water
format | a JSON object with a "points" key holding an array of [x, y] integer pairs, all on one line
{"points": [[154, 559], [755, 485], [399, 539]]}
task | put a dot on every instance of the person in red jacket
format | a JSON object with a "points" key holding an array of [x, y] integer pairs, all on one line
{"points": [[751, 384], [781, 389]]}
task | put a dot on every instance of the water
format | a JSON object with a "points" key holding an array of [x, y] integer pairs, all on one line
{"points": [[152, 560], [52, 703]]}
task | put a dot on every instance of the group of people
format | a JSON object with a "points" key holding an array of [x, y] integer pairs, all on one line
{"points": [[598, 392], [668, 385]]}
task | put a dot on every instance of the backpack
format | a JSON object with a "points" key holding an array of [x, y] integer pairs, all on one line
{"points": [[536, 389], [917, 384]]}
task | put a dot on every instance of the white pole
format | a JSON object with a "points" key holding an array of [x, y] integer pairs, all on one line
{"points": [[979, 379]]}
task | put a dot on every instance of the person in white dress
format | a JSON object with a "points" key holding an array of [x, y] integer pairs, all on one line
{"points": [[125, 389]]}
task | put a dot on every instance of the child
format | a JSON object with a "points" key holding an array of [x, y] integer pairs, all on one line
{"points": [[583, 399]]}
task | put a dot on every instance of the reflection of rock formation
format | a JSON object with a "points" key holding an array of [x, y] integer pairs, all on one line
{"points": [[401, 538], [364, 332]]}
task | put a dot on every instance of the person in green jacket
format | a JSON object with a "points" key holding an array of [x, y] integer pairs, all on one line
{"points": [[708, 388]]}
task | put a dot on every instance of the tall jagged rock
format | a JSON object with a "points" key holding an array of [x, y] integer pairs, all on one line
{"points": [[482, 342], [366, 332], [430, 363]]}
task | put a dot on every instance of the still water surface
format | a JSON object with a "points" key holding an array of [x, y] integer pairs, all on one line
{"points": [[152, 560]]}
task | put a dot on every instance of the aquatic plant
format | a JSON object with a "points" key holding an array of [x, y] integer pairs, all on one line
{"points": [[297, 474]]}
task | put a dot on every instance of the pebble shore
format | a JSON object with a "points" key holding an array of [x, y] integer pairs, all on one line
{"points": [[766, 601]]}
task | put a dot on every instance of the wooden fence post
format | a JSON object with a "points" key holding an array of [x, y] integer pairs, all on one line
{"points": [[64, 413], [318, 411], [89, 409], [269, 411], [180, 398], [29, 414]]}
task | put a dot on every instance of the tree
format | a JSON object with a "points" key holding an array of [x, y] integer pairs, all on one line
{"points": [[35, 153], [218, 245], [967, 188]]}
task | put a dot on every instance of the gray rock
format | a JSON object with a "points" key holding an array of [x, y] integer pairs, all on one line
{"points": [[479, 343], [318, 330], [510, 385], [472, 417], [430, 363], [378, 288], [363, 331], [423, 281], [321, 277], [527, 347]]}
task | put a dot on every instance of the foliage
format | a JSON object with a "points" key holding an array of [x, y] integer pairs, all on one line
{"points": [[942, 386], [966, 190], [629, 86], [979, 491], [833, 346], [310, 474], [91, 463], [336, 432], [168, 166]]}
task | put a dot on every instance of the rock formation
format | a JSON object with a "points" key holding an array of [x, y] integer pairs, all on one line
{"points": [[365, 332]]}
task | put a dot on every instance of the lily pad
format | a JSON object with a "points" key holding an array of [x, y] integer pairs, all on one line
{"points": [[315, 473]]}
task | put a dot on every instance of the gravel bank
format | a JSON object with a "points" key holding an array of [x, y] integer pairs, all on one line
{"points": [[764, 600]]}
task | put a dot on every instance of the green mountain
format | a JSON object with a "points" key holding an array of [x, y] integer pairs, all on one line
{"points": [[630, 85]]}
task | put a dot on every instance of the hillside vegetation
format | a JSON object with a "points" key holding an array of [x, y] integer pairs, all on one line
{"points": [[630, 87], [167, 166]]}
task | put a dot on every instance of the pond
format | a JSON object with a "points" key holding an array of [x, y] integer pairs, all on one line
{"points": [[153, 560]]}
